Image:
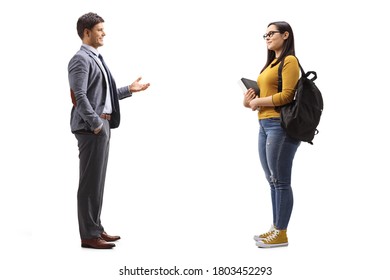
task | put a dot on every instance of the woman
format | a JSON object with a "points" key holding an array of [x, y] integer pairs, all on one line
{"points": [[276, 148]]}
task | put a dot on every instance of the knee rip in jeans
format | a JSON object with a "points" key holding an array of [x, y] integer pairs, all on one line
{"points": [[273, 179]]}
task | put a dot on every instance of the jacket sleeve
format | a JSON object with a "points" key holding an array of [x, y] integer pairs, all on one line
{"points": [[124, 92], [78, 73]]}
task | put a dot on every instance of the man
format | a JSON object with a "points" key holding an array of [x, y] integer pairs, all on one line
{"points": [[95, 111]]}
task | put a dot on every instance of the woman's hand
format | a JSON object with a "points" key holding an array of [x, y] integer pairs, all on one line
{"points": [[248, 97], [254, 104]]}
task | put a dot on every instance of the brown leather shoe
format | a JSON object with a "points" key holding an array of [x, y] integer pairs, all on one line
{"points": [[109, 238], [96, 243]]}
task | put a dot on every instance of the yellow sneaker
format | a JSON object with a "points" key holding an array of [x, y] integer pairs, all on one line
{"points": [[264, 235], [276, 239]]}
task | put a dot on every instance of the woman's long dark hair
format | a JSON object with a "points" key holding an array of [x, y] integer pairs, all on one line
{"points": [[288, 45]]}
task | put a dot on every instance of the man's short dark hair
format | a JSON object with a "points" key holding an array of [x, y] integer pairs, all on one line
{"points": [[87, 21]]}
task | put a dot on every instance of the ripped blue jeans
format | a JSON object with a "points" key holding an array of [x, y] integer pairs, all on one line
{"points": [[277, 151]]}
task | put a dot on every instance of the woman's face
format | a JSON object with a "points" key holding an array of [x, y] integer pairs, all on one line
{"points": [[274, 39]]}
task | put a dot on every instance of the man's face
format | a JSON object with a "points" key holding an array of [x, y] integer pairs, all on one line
{"points": [[94, 37]]}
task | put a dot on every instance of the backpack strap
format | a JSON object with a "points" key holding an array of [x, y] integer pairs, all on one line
{"points": [[303, 73], [280, 80]]}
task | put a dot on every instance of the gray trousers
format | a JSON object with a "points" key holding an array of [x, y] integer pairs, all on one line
{"points": [[93, 154]]}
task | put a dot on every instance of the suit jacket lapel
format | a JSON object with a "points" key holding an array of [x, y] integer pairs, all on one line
{"points": [[113, 88]]}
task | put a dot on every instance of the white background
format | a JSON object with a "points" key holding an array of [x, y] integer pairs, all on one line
{"points": [[184, 184]]}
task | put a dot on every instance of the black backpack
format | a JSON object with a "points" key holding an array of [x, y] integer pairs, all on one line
{"points": [[301, 117]]}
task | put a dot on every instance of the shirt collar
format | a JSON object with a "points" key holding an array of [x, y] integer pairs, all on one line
{"points": [[92, 49]]}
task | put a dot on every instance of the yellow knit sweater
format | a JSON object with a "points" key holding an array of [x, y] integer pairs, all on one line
{"points": [[268, 84]]}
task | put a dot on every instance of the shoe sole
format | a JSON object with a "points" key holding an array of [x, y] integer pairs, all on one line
{"points": [[263, 245], [91, 247]]}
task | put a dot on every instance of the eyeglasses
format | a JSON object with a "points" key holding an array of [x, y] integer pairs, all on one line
{"points": [[270, 34]]}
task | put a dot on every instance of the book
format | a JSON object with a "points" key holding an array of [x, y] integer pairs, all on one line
{"points": [[246, 84]]}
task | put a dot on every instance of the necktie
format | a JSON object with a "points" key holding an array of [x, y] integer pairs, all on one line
{"points": [[110, 83]]}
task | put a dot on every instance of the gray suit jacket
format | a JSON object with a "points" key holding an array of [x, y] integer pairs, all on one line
{"points": [[88, 92]]}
